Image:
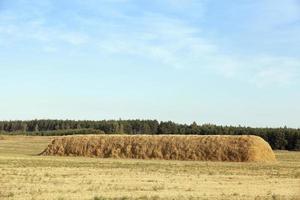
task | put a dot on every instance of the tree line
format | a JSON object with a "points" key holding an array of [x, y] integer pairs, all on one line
{"points": [[278, 138]]}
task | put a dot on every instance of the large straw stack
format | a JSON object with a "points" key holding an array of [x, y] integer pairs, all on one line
{"points": [[169, 147]]}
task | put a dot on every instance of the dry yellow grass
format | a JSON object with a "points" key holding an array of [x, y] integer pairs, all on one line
{"points": [[169, 147], [25, 176]]}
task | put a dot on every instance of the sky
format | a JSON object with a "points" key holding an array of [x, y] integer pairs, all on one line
{"points": [[220, 62]]}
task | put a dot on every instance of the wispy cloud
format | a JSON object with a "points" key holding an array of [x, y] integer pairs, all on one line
{"points": [[37, 31], [276, 13], [271, 76], [159, 36], [278, 71], [174, 43], [166, 40]]}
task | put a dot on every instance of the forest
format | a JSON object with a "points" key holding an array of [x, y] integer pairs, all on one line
{"points": [[279, 138]]}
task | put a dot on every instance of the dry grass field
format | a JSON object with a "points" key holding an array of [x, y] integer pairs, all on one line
{"points": [[24, 175]]}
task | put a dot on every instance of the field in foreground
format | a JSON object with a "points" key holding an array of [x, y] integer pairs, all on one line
{"points": [[23, 175]]}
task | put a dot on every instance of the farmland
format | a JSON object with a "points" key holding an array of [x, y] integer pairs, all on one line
{"points": [[24, 175]]}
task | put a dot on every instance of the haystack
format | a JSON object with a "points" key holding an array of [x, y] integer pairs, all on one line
{"points": [[169, 147]]}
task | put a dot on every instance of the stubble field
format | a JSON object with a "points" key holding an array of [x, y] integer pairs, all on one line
{"points": [[24, 175]]}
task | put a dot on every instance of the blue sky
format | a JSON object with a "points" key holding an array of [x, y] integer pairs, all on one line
{"points": [[218, 62]]}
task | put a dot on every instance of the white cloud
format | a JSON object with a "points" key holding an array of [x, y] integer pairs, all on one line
{"points": [[270, 76], [50, 49], [167, 40], [73, 38], [276, 12], [278, 71], [176, 44], [36, 30]]}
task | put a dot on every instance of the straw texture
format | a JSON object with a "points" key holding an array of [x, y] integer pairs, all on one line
{"points": [[169, 147]]}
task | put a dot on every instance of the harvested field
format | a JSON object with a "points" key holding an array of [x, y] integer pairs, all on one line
{"points": [[201, 148], [25, 176]]}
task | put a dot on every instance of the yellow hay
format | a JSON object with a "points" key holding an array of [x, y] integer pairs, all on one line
{"points": [[169, 147]]}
